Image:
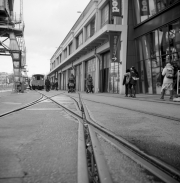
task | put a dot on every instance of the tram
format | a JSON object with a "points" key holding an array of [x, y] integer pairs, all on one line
{"points": [[38, 81]]}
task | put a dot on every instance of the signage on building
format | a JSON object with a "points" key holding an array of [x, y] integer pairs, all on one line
{"points": [[116, 8], [144, 7], [114, 39]]}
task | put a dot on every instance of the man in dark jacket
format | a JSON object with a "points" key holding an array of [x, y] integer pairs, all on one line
{"points": [[89, 84], [134, 76], [56, 84], [47, 84]]}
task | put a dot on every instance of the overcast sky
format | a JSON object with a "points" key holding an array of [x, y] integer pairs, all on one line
{"points": [[47, 22]]}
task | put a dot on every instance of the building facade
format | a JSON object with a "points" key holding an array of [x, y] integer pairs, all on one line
{"points": [[104, 44]]}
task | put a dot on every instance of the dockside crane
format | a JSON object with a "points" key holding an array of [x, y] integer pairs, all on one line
{"points": [[12, 32]]}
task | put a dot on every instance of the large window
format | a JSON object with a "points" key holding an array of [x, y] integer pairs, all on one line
{"points": [[105, 15], [65, 53], [79, 40], [155, 50], [147, 8], [70, 48], [60, 58], [90, 29]]}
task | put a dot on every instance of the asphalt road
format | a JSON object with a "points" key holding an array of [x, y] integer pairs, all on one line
{"points": [[38, 144]]}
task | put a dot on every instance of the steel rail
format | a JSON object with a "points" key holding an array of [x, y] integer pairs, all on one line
{"points": [[163, 169], [27, 105], [103, 172], [136, 110], [172, 173], [82, 160], [144, 99], [23, 107]]}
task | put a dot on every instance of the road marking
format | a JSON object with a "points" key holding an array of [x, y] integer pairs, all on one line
{"points": [[44, 109], [11, 103]]}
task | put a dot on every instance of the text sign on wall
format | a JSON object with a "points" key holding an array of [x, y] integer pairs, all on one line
{"points": [[114, 46], [116, 7], [144, 7]]}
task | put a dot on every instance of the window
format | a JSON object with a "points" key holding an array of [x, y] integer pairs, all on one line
{"points": [[154, 51], [90, 29], [147, 8], [65, 53], [60, 58], [79, 40], [105, 15], [70, 48]]}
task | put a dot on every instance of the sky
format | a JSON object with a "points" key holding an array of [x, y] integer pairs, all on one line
{"points": [[47, 22]]}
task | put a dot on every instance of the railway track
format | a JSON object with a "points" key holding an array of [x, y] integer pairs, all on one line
{"points": [[136, 110], [92, 165], [98, 170]]}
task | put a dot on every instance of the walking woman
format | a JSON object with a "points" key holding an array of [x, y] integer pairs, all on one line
{"points": [[168, 73]]}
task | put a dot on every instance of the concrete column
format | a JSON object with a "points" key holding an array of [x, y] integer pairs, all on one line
{"points": [[82, 76], [123, 51], [66, 79], [59, 80], [62, 78], [96, 87]]}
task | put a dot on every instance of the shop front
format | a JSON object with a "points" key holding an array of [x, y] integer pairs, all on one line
{"points": [[154, 50], [157, 39]]}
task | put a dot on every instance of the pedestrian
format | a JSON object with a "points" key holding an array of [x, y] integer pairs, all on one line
{"points": [[56, 84], [176, 68], [168, 73], [134, 76], [47, 84], [89, 84], [126, 81], [71, 83]]}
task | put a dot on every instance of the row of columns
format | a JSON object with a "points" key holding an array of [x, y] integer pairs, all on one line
{"points": [[82, 81]]}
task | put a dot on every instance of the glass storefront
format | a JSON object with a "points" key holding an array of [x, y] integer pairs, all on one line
{"points": [[114, 77], [109, 74], [144, 9], [154, 50]]}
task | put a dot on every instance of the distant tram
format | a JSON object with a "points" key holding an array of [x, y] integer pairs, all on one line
{"points": [[38, 81]]}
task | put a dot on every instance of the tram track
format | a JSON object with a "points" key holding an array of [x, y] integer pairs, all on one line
{"points": [[136, 110], [158, 168], [92, 166], [42, 98], [144, 99]]}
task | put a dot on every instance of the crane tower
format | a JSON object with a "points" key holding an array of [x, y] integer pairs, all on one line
{"points": [[12, 33]]}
